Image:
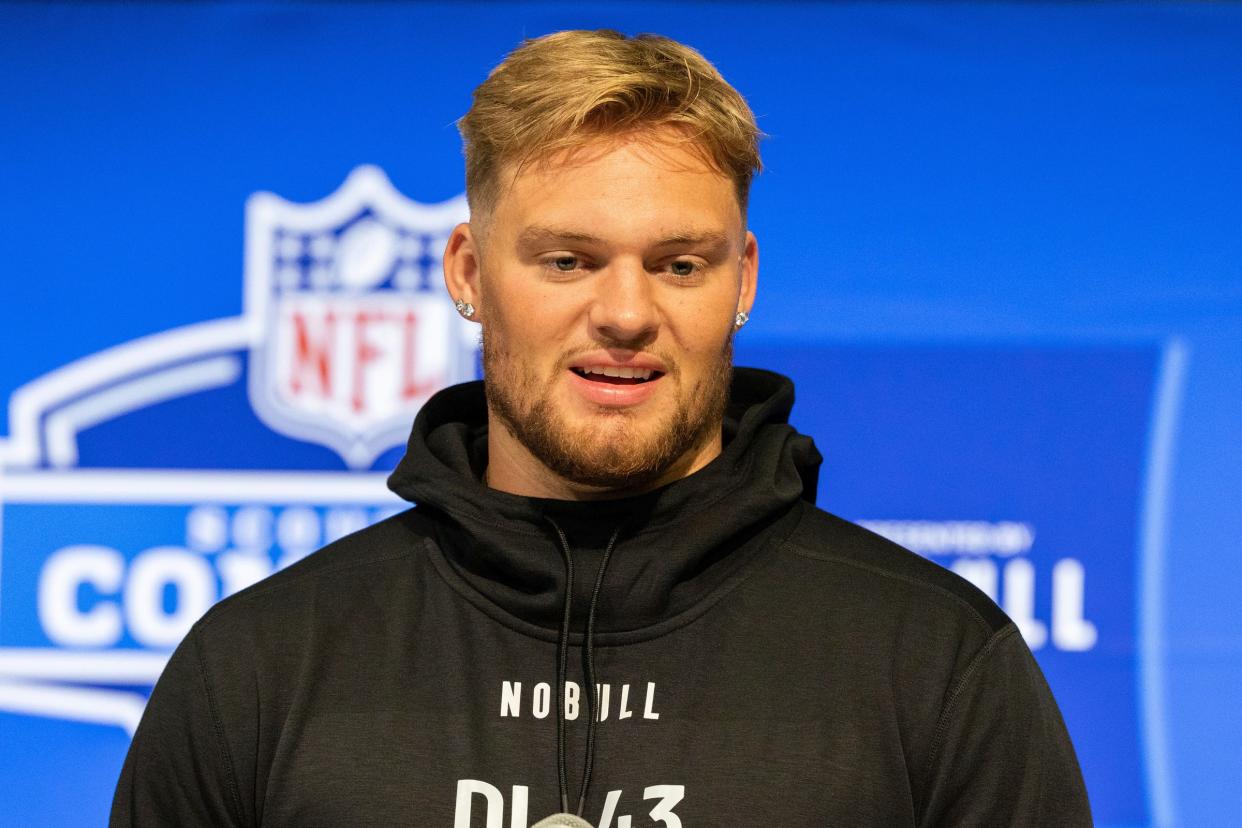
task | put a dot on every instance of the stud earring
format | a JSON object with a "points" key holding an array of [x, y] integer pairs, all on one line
{"points": [[741, 319], [464, 308]]}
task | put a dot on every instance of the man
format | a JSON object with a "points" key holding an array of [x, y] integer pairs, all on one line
{"points": [[614, 599]]}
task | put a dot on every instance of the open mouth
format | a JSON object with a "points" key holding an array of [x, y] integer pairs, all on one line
{"points": [[609, 375]]}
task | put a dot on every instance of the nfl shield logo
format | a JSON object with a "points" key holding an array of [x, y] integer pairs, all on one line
{"points": [[351, 325]]}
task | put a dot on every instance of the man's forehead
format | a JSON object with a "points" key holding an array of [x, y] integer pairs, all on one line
{"points": [[663, 149], [662, 191], [669, 145]]}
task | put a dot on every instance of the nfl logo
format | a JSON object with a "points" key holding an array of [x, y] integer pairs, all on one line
{"points": [[352, 330]]}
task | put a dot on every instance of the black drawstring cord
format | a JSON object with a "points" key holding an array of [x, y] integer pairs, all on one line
{"points": [[562, 660], [562, 663], [592, 724]]}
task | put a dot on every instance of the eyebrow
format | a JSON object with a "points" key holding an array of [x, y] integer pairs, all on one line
{"points": [[539, 234], [708, 238]]}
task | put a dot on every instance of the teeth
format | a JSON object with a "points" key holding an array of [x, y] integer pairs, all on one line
{"points": [[619, 373]]}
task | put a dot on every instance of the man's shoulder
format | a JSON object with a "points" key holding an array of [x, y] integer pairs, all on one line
{"points": [[878, 568], [332, 576]]}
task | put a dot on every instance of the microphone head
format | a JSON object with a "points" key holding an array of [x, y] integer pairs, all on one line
{"points": [[562, 821]]}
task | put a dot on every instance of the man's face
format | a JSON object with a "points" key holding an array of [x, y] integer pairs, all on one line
{"points": [[607, 286]]}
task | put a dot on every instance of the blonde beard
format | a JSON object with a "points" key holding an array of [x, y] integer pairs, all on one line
{"points": [[618, 455]]}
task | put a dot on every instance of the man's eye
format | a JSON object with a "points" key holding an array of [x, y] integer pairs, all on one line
{"points": [[565, 264], [683, 268]]}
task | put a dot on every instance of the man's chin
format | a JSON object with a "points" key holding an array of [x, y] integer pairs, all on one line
{"points": [[608, 449], [608, 454]]}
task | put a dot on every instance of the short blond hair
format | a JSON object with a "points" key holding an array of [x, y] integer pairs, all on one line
{"points": [[557, 92]]}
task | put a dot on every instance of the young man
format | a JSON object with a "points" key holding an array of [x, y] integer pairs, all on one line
{"points": [[615, 597]]}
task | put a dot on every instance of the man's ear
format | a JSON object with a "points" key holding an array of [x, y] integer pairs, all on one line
{"points": [[750, 274], [461, 269]]}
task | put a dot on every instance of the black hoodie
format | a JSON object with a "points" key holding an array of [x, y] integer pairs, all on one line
{"points": [[756, 662]]}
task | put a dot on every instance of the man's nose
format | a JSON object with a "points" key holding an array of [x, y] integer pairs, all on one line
{"points": [[624, 306]]}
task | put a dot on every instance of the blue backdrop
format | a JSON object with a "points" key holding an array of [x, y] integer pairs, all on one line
{"points": [[1000, 256]]}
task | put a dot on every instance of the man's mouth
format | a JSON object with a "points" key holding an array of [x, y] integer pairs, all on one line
{"points": [[616, 375]]}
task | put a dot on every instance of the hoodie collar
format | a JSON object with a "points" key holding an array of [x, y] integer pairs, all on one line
{"points": [[677, 544]]}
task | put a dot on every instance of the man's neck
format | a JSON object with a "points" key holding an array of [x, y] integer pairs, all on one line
{"points": [[511, 468]]}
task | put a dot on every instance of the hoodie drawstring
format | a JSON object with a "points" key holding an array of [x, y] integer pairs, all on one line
{"points": [[592, 724], [562, 665]]}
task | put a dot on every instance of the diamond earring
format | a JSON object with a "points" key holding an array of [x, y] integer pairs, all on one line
{"points": [[741, 319], [464, 308]]}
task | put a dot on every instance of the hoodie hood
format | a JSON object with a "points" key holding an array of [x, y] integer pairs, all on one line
{"points": [[675, 546]]}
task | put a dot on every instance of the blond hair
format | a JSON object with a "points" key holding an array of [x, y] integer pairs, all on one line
{"points": [[557, 92]]}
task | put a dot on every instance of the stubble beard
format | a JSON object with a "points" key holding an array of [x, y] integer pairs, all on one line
{"points": [[620, 450]]}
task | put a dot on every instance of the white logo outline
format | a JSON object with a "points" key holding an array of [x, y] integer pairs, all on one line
{"points": [[39, 458], [366, 187]]}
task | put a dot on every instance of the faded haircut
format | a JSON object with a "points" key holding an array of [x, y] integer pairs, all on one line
{"points": [[559, 91]]}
